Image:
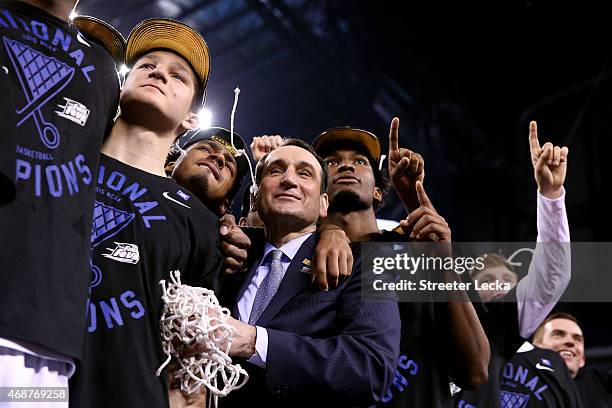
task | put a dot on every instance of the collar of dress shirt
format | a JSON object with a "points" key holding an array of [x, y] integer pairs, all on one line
{"points": [[289, 249]]}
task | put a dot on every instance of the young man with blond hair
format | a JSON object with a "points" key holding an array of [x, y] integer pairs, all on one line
{"points": [[145, 224]]}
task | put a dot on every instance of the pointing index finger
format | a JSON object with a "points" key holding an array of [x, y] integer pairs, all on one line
{"points": [[534, 143], [422, 196], [394, 135]]}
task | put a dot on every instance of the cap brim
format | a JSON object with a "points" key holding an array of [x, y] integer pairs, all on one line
{"points": [[104, 34], [338, 135], [216, 134], [162, 33]]}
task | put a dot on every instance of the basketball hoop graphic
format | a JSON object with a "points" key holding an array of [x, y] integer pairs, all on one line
{"points": [[510, 399], [41, 78], [108, 221]]}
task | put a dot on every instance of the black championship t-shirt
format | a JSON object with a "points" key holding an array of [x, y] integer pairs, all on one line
{"points": [[594, 387], [144, 226], [59, 95], [500, 322], [537, 378], [422, 376], [7, 162]]}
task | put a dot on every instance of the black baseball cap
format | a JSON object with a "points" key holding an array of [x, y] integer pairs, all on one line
{"points": [[224, 138]]}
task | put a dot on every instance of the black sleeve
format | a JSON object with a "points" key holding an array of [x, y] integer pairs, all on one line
{"points": [[113, 109], [205, 260], [500, 322], [574, 401], [111, 90]]}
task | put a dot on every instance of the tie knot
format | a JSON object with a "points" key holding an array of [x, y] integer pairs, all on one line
{"points": [[276, 255]]}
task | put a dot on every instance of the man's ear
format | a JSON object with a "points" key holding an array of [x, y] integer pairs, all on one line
{"points": [[378, 196], [190, 122], [582, 362], [323, 205], [169, 168]]}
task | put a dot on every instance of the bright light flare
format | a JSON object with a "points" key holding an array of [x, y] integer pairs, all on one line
{"points": [[123, 70], [205, 118]]}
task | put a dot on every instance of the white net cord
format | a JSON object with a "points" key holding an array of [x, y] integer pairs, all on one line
{"points": [[192, 319], [241, 152]]}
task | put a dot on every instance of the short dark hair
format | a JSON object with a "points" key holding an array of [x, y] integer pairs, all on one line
{"points": [[558, 315], [298, 143], [381, 180]]}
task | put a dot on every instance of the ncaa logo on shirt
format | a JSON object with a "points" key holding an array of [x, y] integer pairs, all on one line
{"points": [[183, 195], [73, 111], [123, 252], [546, 362]]}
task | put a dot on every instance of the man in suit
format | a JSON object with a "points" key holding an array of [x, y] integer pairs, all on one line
{"points": [[304, 346]]}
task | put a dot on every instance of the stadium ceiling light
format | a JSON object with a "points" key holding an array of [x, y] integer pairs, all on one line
{"points": [[205, 118]]}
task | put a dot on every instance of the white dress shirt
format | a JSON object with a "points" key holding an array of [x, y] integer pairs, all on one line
{"points": [[550, 268], [245, 303]]}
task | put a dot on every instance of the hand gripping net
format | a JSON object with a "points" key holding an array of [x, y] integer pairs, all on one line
{"points": [[193, 317]]}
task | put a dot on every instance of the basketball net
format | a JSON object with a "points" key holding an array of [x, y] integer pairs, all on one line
{"points": [[192, 319]]}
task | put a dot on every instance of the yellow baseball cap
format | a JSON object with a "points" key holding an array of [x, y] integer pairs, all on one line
{"points": [[332, 139], [104, 34], [165, 33]]}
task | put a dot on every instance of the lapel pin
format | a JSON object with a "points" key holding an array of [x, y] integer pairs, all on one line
{"points": [[307, 266]]}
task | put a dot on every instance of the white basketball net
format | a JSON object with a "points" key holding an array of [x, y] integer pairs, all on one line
{"points": [[192, 316]]}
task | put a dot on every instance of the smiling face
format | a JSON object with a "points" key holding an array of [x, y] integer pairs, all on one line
{"points": [[209, 171], [564, 337], [351, 184], [160, 91], [290, 188]]}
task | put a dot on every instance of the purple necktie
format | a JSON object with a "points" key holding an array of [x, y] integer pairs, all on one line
{"points": [[268, 287]]}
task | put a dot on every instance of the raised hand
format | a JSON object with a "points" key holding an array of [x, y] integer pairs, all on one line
{"points": [[427, 224], [264, 144], [549, 164], [405, 168]]}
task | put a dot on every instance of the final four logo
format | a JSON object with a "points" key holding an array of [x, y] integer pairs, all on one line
{"points": [[124, 252]]}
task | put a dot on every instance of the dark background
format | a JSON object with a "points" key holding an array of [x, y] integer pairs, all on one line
{"points": [[465, 79]]}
